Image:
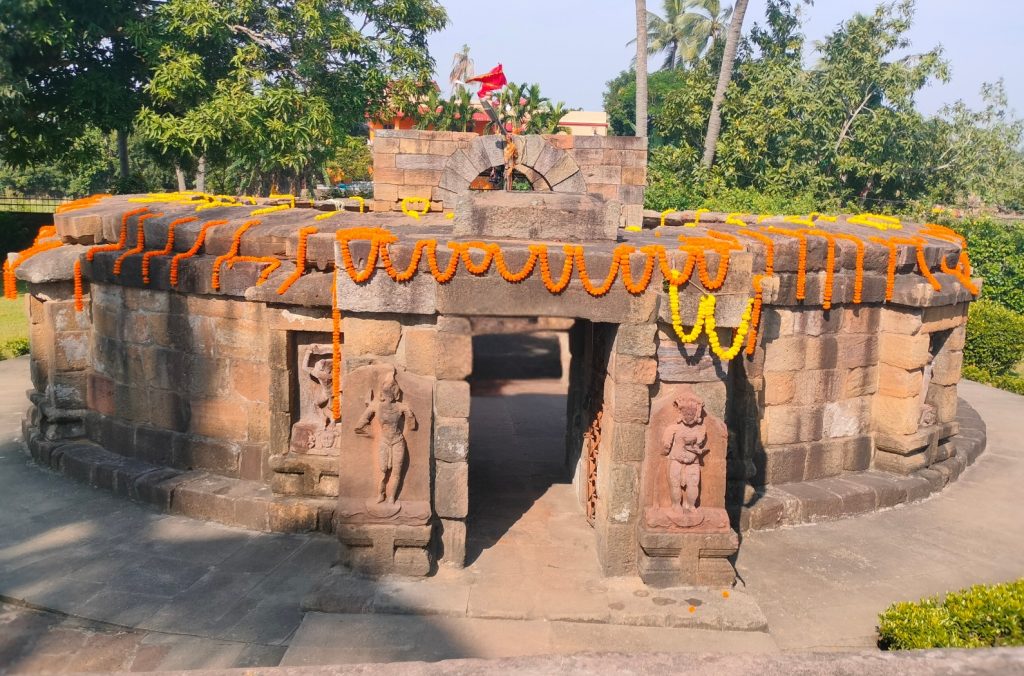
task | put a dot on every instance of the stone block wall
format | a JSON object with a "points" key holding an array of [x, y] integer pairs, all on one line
{"points": [[439, 351], [439, 166], [815, 378]]}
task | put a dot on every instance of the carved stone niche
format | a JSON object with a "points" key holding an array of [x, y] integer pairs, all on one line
{"points": [[314, 430], [685, 537], [383, 519]]}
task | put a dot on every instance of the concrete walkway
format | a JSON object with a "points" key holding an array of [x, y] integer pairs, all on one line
{"points": [[177, 593], [823, 585]]}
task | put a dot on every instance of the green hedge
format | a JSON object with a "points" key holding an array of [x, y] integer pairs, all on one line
{"points": [[1009, 382], [995, 337], [997, 255], [972, 618]]}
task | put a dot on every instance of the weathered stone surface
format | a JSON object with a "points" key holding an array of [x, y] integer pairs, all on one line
{"points": [[537, 216], [451, 399]]}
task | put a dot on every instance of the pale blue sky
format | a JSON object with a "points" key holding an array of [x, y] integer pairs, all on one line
{"points": [[573, 47]]}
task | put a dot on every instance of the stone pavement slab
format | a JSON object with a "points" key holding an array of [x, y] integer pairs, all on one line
{"points": [[352, 639], [822, 586]]}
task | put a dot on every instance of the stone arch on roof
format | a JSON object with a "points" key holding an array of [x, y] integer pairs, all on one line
{"points": [[546, 166]]}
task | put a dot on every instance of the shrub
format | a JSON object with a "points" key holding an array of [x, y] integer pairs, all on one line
{"points": [[14, 348], [983, 615], [1008, 382], [995, 337], [997, 255]]}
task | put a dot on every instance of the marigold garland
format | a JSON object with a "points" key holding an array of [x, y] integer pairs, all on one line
{"points": [[830, 264], [335, 350], [300, 259], [269, 210], [45, 232], [606, 285], [632, 286], [168, 247], [890, 276], [858, 266], [677, 322], [473, 268], [273, 264], [77, 269], [545, 270], [10, 279], [236, 244], [122, 238], [81, 203], [769, 248], [922, 263], [738, 336], [200, 239], [755, 315], [140, 242], [524, 272], [801, 268], [876, 221]]}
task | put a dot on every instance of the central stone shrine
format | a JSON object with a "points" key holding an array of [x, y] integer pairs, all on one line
{"points": [[295, 366]]}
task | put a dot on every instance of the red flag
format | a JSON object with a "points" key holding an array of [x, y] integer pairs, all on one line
{"points": [[490, 81]]}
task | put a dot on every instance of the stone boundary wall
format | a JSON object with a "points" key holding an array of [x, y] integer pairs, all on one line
{"points": [[438, 166]]}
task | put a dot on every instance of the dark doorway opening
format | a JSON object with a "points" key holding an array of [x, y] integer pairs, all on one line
{"points": [[519, 472]]}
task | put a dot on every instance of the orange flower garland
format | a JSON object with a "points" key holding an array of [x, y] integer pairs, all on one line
{"points": [[858, 266], [79, 302], [273, 264], [377, 236], [464, 248], [300, 259], [80, 203], [609, 279], [410, 269], [755, 314], [122, 238], [168, 248], [44, 232], [140, 242], [200, 239], [335, 350], [830, 264], [236, 244], [637, 288], [769, 248], [890, 276], [545, 270], [801, 267], [524, 272], [10, 280]]}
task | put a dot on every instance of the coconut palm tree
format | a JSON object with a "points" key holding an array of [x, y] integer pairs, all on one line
{"points": [[732, 41], [641, 68], [687, 31]]}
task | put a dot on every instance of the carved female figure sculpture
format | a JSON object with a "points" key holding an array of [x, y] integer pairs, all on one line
{"points": [[321, 373], [685, 443], [393, 416]]}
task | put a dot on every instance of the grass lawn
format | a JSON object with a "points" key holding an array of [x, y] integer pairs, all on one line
{"points": [[13, 321]]}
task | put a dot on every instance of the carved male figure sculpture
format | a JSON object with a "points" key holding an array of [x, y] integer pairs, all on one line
{"points": [[685, 443], [321, 373], [393, 415]]}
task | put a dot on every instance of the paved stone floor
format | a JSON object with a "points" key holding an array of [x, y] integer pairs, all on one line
{"points": [[151, 591]]}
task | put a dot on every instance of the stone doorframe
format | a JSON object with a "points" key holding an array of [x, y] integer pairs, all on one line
{"points": [[546, 166]]}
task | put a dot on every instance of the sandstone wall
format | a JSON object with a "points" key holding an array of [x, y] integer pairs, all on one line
{"points": [[438, 166]]}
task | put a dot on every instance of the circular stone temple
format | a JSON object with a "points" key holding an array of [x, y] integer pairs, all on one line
{"points": [[296, 366]]}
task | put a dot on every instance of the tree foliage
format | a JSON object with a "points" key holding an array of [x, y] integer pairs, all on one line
{"points": [[842, 131], [273, 86]]}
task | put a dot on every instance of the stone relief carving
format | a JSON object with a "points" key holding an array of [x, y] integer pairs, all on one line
{"points": [[685, 444], [316, 430], [394, 417], [680, 447]]}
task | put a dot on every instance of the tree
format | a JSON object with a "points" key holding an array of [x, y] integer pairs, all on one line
{"points": [[732, 41], [641, 68], [67, 66], [268, 89], [687, 32]]}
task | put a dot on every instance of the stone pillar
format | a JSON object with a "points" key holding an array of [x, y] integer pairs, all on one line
{"points": [[684, 533], [914, 411], [632, 370], [59, 339], [451, 438]]}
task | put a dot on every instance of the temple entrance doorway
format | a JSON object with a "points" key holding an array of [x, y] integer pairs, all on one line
{"points": [[526, 516]]}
